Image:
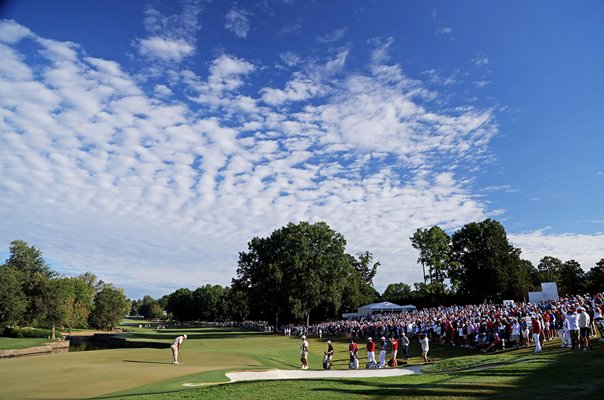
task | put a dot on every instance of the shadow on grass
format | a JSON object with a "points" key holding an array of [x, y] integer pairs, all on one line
{"points": [[147, 362]]}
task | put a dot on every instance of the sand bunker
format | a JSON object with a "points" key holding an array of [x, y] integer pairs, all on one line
{"points": [[314, 374]]}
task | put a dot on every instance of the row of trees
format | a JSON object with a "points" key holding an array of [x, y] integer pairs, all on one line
{"points": [[32, 294], [302, 270], [479, 264]]}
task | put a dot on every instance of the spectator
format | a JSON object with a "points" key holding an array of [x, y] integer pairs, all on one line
{"points": [[573, 327], [304, 352], [383, 348], [584, 328], [536, 329]]}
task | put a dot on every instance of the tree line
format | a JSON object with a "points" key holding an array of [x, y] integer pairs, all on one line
{"points": [[301, 271], [33, 294]]}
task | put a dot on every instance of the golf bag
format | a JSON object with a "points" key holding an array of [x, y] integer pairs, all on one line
{"points": [[354, 363], [372, 365], [392, 362], [326, 361]]}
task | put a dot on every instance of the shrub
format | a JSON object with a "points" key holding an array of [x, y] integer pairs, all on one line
{"points": [[30, 333]]}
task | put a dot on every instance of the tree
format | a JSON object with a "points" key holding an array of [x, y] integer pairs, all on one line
{"points": [[208, 303], [434, 247], [487, 263], [148, 307], [549, 268], [110, 307], [398, 293], [12, 298], [572, 278], [596, 277], [297, 270], [180, 304], [34, 276]]}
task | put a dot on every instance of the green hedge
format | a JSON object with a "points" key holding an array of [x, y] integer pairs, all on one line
{"points": [[30, 333]]}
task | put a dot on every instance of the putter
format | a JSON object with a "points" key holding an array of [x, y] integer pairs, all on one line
{"points": [[180, 357]]}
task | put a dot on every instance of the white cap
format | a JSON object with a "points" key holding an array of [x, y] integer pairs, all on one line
{"points": [[329, 342], [185, 335], [303, 337]]}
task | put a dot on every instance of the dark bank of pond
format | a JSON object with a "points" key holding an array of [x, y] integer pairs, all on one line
{"points": [[103, 341]]}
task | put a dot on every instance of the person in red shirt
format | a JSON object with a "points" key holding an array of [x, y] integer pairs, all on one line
{"points": [[546, 332], [394, 342], [370, 350], [536, 328], [353, 349]]}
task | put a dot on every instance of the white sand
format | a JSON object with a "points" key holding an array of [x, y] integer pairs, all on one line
{"points": [[313, 374]]}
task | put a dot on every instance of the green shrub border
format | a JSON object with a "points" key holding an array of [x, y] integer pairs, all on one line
{"points": [[15, 332]]}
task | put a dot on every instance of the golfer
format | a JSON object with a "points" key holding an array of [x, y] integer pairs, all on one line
{"points": [[423, 340], [304, 353], [176, 347]]}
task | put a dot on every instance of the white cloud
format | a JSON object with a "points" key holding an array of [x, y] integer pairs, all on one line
{"points": [[587, 249], [171, 38], [237, 21], [444, 30], [153, 194], [11, 32], [165, 49], [332, 36]]}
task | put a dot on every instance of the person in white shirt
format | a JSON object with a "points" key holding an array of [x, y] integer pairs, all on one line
{"points": [[584, 328], [423, 340], [573, 328], [304, 352], [176, 348]]}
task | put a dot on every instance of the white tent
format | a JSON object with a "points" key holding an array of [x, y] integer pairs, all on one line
{"points": [[385, 307]]}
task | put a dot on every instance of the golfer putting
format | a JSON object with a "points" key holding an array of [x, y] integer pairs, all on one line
{"points": [[176, 348]]}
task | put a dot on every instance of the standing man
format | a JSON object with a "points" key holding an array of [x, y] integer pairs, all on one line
{"points": [[423, 340], [304, 353], [176, 348], [573, 327], [383, 348], [353, 349], [536, 329], [370, 350], [394, 351], [405, 346], [584, 328]]}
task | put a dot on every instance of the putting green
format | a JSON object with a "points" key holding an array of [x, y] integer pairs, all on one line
{"points": [[94, 373]]}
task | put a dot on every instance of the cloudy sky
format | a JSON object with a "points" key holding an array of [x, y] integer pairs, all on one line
{"points": [[149, 142]]}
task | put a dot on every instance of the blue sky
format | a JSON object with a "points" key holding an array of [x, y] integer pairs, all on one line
{"points": [[148, 142]]}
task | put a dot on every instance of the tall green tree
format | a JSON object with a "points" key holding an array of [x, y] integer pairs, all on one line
{"points": [[398, 293], [549, 268], [434, 247], [35, 275], [572, 278], [110, 307], [208, 303], [487, 263], [297, 270], [12, 299], [180, 305], [596, 278]]}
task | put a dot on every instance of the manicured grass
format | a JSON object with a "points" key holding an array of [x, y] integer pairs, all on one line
{"points": [[15, 343], [147, 373]]}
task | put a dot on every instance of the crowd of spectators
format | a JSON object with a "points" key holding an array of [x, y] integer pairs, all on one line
{"points": [[483, 327]]}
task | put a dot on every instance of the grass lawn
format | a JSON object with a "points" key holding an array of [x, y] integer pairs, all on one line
{"points": [[147, 373], [14, 343]]}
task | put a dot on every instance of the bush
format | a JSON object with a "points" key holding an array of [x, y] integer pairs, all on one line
{"points": [[30, 333]]}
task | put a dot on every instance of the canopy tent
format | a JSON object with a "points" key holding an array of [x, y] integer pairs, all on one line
{"points": [[385, 307]]}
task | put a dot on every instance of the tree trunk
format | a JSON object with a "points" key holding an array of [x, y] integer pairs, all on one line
{"points": [[53, 332], [307, 319], [424, 268], [276, 321]]}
